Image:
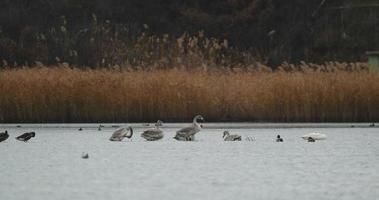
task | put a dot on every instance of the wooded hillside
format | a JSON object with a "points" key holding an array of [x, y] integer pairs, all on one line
{"points": [[113, 32]]}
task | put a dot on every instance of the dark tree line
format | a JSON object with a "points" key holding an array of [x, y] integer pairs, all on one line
{"points": [[87, 32]]}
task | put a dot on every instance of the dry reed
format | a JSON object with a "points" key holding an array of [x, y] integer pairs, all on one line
{"points": [[310, 93]]}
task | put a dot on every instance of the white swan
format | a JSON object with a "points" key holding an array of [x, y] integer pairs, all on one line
{"points": [[315, 136], [228, 137], [153, 134], [188, 133], [122, 133]]}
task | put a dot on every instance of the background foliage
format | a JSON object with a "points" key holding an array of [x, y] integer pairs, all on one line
{"points": [[100, 33]]}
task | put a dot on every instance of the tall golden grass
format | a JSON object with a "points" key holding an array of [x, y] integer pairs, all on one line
{"points": [[305, 93]]}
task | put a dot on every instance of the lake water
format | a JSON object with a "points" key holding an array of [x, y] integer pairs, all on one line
{"points": [[49, 166]]}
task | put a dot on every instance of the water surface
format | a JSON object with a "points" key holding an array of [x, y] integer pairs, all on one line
{"points": [[345, 166]]}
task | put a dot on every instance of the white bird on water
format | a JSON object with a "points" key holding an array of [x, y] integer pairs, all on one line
{"points": [[315, 136], [188, 133], [122, 133], [228, 137], [153, 134]]}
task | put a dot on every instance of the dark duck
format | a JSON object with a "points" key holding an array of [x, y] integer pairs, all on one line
{"points": [[4, 136], [26, 136], [279, 139]]}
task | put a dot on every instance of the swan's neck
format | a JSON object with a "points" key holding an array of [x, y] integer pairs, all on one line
{"points": [[195, 120], [130, 133], [197, 125]]}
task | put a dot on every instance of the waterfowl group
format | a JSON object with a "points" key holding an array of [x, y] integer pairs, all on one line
{"points": [[188, 133], [153, 134], [24, 137]]}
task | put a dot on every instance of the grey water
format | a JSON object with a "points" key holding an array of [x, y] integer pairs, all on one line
{"points": [[49, 166]]}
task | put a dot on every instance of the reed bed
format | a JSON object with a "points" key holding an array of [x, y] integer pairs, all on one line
{"points": [[306, 94]]}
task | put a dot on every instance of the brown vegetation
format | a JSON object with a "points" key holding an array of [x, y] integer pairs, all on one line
{"points": [[328, 93]]}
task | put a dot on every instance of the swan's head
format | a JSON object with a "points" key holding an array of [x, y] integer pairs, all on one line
{"points": [[199, 117], [159, 123], [226, 133]]}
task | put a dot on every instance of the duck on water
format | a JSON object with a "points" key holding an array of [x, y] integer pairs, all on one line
{"points": [[188, 133], [4, 136], [85, 155], [279, 139], [26, 136]]}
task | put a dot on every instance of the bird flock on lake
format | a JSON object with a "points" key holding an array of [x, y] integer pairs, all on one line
{"points": [[156, 133]]}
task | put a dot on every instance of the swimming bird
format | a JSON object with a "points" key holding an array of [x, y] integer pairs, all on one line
{"points": [[279, 139], [153, 134], [315, 136], [26, 136], [80, 129], [85, 155], [188, 133], [4, 136], [122, 133], [228, 137]]}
